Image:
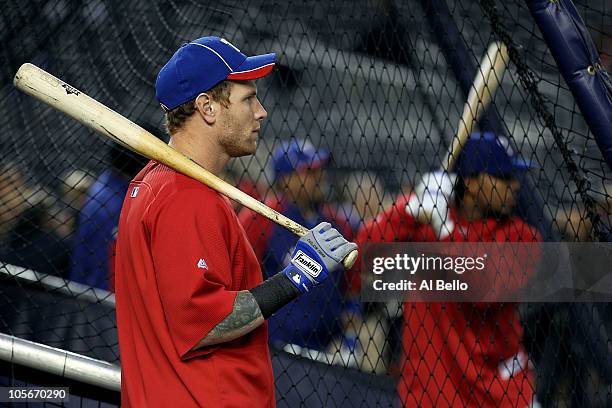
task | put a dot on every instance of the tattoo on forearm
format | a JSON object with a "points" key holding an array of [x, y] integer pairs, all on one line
{"points": [[244, 317]]}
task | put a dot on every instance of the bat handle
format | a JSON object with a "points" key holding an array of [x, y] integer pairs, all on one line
{"points": [[350, 259]]}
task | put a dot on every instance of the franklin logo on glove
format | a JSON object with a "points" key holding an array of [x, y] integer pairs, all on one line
{"points": [[307, 264], [316, 255]]}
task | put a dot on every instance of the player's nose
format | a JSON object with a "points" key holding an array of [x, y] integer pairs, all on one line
{"points": [[260, 111]]}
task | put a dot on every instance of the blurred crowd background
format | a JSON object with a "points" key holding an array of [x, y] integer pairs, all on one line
{"points": [[365, 98]]}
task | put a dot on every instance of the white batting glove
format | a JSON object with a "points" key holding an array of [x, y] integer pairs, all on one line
{"points": [[430, 201]]}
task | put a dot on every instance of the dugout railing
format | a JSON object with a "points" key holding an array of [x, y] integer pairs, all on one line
{"points": [[302, 378]]}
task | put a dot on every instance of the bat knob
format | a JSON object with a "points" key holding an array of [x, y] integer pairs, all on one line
{"points": [[350, 259]]}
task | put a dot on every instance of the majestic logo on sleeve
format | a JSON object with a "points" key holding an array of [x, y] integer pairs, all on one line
{"points": [[202, 264], [306, 264]]}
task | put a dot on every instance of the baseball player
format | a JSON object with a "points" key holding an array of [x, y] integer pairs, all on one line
{"points": [[298, 171], [462, 354], [191, 300]]}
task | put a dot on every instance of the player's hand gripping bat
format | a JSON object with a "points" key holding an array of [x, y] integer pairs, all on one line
{"points": [[76, 104]]}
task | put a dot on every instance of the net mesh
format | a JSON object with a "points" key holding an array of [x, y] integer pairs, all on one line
{"points": [[378, 84]]}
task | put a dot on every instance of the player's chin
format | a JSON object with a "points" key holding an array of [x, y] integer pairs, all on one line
{"points": [[252, 141], [251, 146], [246, 149]]}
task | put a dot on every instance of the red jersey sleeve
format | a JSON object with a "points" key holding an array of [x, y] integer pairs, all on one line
{"points": [[392, 225], [519, 265], [191, 255]]}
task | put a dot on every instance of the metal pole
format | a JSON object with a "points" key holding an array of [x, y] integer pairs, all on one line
{"points": [[60, 362]]}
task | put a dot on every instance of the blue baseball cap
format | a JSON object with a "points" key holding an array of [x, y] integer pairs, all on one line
{"points": [[488, 153], [198, 66], [296, 155]]}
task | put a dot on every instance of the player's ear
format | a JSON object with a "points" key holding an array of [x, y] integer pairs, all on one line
{"points": [[206, 106]]}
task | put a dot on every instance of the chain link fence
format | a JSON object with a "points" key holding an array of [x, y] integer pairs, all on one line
{"points": [[379, 86]]}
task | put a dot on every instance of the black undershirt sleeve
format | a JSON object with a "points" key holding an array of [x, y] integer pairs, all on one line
{"points": [[274, 293]]}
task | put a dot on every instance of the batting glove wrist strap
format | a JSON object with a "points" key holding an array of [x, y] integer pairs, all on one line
{"points": [[316, 255], [297, 277]]}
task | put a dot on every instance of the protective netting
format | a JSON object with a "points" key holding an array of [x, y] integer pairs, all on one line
{"points": [[380, 85]]}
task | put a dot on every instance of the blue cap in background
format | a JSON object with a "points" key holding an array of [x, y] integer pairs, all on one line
{"points": [[198, 66], [296, 155], [488, 153]]}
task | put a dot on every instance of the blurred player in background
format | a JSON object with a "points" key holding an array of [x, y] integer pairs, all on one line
{"points": [[29, 221], [96, 231], [364, 195], [12, 200], [299, 178], [191, 300], [462, 354], [245, 183], [73, 193], [575, 225]]}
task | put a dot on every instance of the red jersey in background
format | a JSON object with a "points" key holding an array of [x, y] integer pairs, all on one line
{"points": [[459, 354]]}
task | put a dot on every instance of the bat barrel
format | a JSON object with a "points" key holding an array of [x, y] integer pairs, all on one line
{"points": [[487, 80]]}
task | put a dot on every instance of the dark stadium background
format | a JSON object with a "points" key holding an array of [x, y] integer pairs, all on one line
{"points": [[378, 83]]}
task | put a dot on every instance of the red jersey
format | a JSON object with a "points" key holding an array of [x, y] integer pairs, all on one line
{"points": [[459, 354], [181, 258]]}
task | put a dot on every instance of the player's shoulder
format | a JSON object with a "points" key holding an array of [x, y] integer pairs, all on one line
{"points": [[171, 187], [163, 178], [518, 230]]}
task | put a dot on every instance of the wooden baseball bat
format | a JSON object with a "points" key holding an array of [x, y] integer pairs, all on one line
{"points": [[488, 78], [54, 92]]}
